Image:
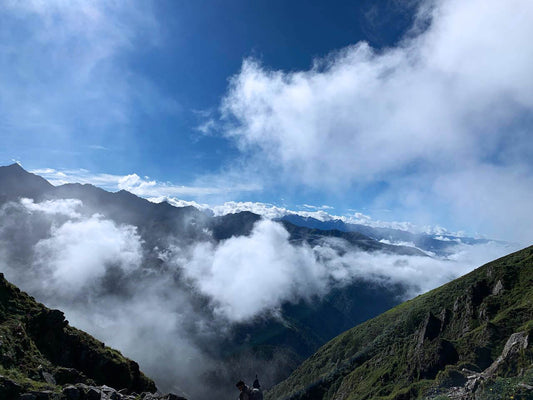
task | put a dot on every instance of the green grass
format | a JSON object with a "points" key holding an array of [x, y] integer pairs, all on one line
{"points": [[377, 360]]}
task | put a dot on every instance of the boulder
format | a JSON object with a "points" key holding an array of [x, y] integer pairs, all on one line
{"points": [[8, 388]]}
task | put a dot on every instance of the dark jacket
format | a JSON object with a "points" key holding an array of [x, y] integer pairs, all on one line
{"points": [[257, 394], [246, 394]]}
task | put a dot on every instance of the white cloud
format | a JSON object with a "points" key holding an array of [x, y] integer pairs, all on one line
{"points": [[144, 187], [312, 207], [249, 276], [498, 198], [179, 203], [163, 191], [66, 207], [266, 210], [272, 211], [71, 264], [449, 101], [78, 253]]}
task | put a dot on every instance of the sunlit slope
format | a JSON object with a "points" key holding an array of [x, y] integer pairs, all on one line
{"points": [[447, 342]]}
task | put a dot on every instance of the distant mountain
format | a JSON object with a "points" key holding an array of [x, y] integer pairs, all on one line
{"points": [[159, 220], [40, 353], [469, 339], [16, 182], [361, 241], [438, 244]]}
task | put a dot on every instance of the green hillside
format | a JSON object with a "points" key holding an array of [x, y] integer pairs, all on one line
{"points": [[40, 351], [466, 339]]}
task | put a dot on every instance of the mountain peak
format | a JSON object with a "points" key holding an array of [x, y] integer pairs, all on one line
{"points": [[17, 182], [15, 166]]}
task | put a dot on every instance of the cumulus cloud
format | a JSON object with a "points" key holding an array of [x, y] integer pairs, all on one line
{"points": [[454, 99], [79, 253], [141, 186], [146, 187], [254, 275], [179, 202], [66, 207], [250, 275]]}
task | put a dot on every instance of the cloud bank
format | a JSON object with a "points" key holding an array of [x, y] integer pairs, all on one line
{"points": [[427, 117], [252, 275]]}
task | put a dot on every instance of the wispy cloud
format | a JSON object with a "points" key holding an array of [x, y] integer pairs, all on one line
{"points": [[312, 207], [424, 118], [141, 186], [66, 79]]}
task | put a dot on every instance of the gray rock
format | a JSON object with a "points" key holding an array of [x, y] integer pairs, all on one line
{"points": [[27, 396], [516, 342], [498, 288], [72, 393], [48, 377], [8, 388], [92, 394]]}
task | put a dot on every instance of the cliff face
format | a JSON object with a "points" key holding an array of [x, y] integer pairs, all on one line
{"points": [[39, 350], [469, 339]]}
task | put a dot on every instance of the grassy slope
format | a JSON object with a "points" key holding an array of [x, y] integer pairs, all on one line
{"points": [[382, 358], [34, 338]]}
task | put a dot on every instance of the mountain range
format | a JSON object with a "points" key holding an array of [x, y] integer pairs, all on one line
{"points": [[272, 341]]}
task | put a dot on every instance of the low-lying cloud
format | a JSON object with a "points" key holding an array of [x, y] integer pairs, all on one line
{"points": [[79, 253], [249, 275], [256, 274]]}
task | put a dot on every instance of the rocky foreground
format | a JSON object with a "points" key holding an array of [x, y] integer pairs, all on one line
{"points": [[10, 389], [42, 357]]}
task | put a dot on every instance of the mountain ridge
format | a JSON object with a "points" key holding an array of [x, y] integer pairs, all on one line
{"points": [[273, 342], [452, 341]]}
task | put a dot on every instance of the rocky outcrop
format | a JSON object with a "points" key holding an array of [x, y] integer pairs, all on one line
{"points": [[40, 351], [471, 385], [10, 390], [81, 354]]}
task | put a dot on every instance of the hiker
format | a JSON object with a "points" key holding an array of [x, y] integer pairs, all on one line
{"points": [[257, 393], [245, 391]]}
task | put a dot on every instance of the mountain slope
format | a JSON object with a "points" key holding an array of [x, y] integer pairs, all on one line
{"points": [[38, 347], [16, 182], [466, 338]]}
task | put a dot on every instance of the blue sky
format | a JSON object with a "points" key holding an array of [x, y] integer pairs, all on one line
{"points": [[416, 111]]}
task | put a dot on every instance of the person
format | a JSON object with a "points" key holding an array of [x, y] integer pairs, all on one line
{"points": [[257, 393], [245, 392]]}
